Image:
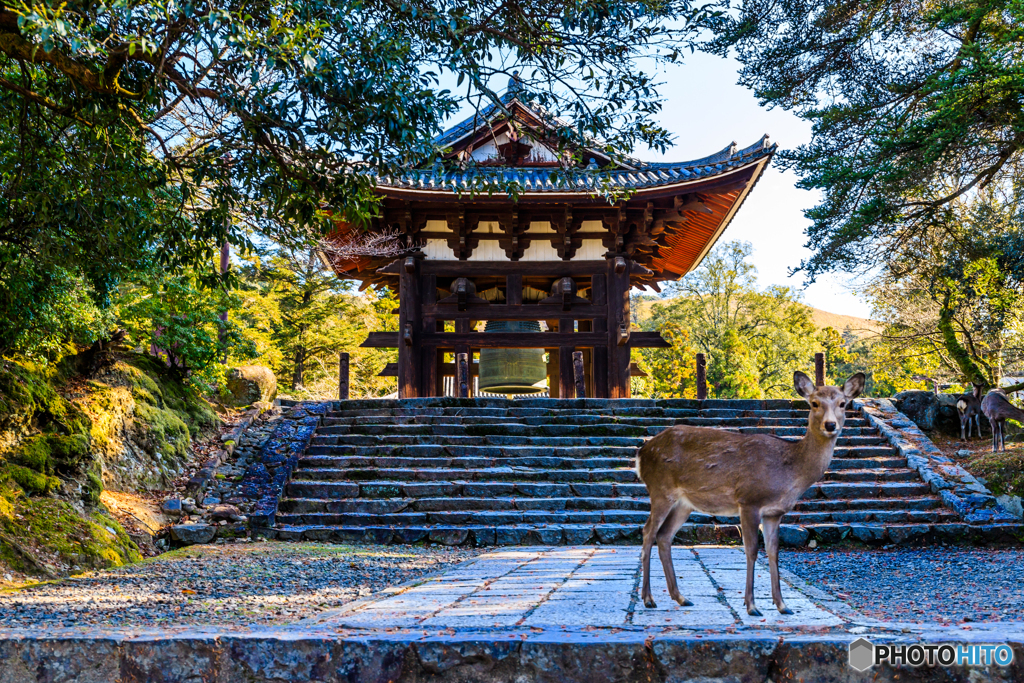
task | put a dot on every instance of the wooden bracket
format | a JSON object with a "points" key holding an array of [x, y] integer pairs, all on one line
{"points": [[620, 265], [410, 264], [407, 334], [623, 336]]}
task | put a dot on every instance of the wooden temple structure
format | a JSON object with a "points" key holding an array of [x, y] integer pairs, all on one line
{"points": [[559, 254]]}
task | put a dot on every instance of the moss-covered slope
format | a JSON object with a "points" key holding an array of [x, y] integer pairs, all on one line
{"points": [[65, 436]]}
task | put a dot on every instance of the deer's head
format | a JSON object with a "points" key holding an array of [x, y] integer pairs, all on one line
{"points": [[828, 404]]}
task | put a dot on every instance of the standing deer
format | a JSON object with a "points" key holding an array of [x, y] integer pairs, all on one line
{"points": [[756, 476], [969, 408], [998, 409]]}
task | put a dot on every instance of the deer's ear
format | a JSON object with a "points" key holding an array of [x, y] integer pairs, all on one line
{"points": [[802, 384], [854, 385], [977, 390]]}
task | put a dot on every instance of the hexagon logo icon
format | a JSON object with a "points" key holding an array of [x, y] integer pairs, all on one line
{"points": [[862, 654]]}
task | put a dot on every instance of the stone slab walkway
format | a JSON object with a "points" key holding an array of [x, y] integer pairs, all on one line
{"points": [[592, 586]]}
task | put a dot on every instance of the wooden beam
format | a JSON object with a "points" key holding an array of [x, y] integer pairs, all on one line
{"points": [[512, 340], [819, 369], [390, 370], [510, 312], [462, 380], [504, 268]]}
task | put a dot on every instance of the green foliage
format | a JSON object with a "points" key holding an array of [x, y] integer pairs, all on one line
{"points": [[753, 339], [306, 316], [914, 106], [180, 318], [118, 154], [952, 299], [1003, 471]]}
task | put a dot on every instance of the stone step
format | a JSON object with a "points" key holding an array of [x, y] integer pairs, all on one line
{"points": [[853, 449], [577, 421], [330, 436], [923, 502], [631, 534], [842, 469], [445, 431], [514, 515], [313, 484], [462, 510]]}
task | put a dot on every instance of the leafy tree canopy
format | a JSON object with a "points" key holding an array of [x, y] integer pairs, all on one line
{"points": [[914, 105]]}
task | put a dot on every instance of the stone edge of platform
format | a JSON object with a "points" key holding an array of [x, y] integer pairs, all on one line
{"points": [[550, 655]]}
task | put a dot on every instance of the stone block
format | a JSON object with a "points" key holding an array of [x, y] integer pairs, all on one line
{"points": [[191, 534]]}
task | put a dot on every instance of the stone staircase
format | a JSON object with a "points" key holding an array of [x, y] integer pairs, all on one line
{"points": [[547, 471]]}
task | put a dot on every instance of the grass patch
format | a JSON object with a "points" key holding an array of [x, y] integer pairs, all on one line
{"points": [[1003, 471]]}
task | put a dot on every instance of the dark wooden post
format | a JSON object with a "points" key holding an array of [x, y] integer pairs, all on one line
{"points": [[428, 354], [702, 378], [819, 369], [599, 297], [566, 381], [577, 374], [462, 375], [618, 321], [409, 354], [343, 376]]}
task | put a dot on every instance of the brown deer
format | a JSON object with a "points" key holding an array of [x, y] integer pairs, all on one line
{"points": [[969, 408], [998, 409], [756, 476]]}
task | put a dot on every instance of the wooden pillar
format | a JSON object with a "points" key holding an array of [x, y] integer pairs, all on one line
{"points": [[599, 297], [577, 374], [409, 375], [554, 377], [566, 381], [618, 315], [819, 369], [428, 355], [702, 378], [462, 375], [343, 376]]}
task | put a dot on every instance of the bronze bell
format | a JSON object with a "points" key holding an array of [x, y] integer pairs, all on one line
{"points": [[512, 371]]}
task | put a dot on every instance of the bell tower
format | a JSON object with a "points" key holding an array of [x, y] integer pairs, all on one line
{"points": [[521, 283]]}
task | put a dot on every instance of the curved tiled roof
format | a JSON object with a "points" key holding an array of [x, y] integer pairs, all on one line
{"points": [[646, 175]]}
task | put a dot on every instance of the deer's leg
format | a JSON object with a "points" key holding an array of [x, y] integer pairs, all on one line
{"points": [[661, 507], [771, 546], [962, 437], [668, 530], [750, 519], [1002, 436], [992, 425]]}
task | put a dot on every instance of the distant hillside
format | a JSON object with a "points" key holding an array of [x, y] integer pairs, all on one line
{"points": [[861, 327]]}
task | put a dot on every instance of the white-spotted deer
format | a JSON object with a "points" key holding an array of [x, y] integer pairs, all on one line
{"points": [[969, 408], [756, 476], [998, 409]]}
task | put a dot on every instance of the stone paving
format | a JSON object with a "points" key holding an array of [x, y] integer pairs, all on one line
{"points": [[590, 586]]}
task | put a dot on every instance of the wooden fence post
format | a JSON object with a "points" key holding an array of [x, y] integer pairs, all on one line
{"points": [[462, 378], [343, 376], [702, 378], [819, 369], [577, 373]]}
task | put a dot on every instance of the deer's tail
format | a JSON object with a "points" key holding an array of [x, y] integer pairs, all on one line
{"points": [[636, 464], [961, 406]]}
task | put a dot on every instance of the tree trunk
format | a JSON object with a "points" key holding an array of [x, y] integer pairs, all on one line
{"points": [[974, 371]]}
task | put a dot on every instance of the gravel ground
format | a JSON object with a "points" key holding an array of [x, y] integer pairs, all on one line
{"points": [[948, 585], [233, 584]]}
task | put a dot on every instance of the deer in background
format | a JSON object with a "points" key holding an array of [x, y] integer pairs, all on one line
{"points": [[969, 408], [998, 409], [758, 477]]}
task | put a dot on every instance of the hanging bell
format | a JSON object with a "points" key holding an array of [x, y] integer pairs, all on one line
{"points": [[512, 371]]}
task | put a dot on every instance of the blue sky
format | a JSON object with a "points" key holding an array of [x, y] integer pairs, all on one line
{"points": [[706, 110]]}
